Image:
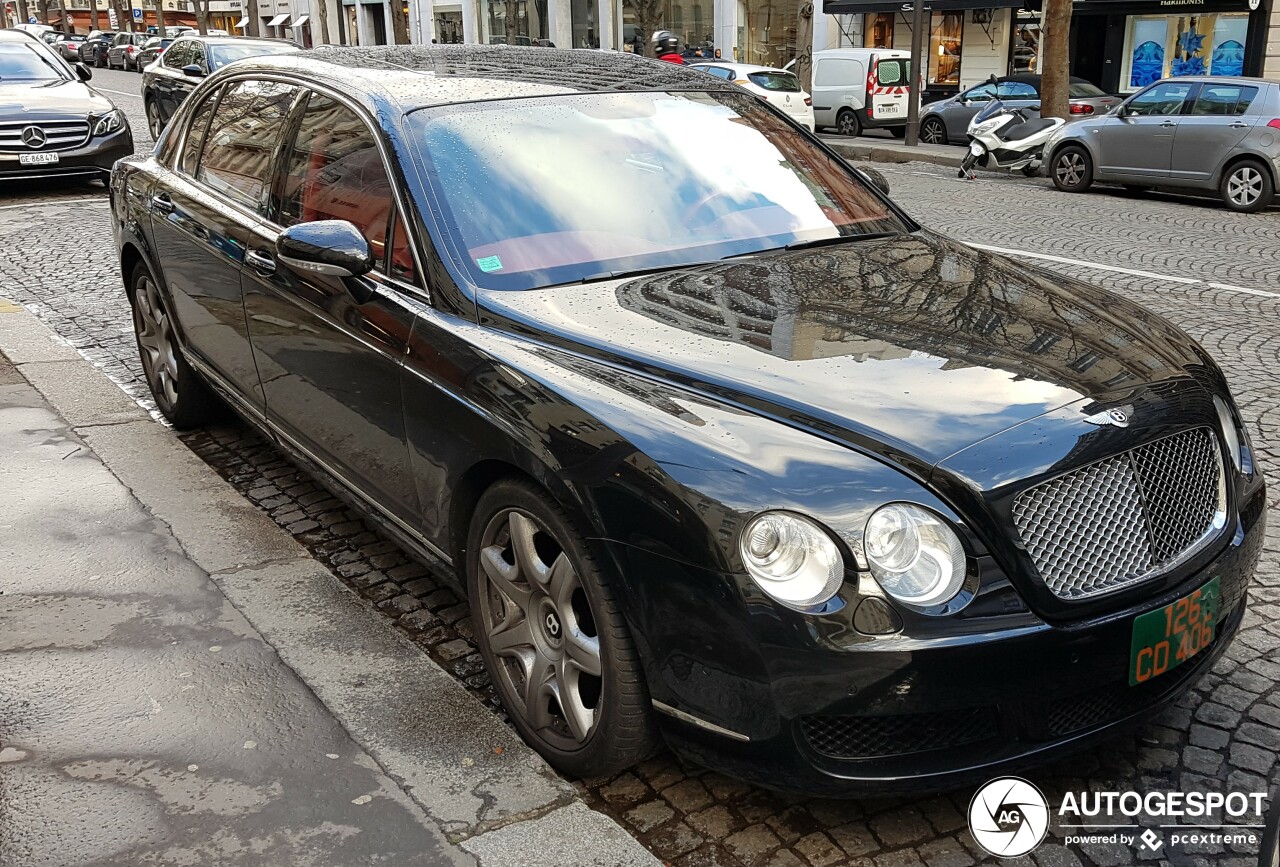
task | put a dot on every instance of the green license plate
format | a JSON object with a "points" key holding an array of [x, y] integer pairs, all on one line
{"points": [[1167, 637]]}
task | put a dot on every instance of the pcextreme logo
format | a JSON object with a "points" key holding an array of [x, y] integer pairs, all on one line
{"points": [[1009, 817]]}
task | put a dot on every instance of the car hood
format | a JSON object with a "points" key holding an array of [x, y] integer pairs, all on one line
{"points": [[912, 347], [31, 100]]}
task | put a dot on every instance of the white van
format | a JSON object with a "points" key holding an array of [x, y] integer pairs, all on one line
{"points": [[861, 88]]}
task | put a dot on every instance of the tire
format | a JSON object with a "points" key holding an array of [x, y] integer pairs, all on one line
{"points": [[1031, 171], [179, 392], [154, 124], [847, 123], [530, 621], [1246, 187], [933, 132], [1072, 169]]}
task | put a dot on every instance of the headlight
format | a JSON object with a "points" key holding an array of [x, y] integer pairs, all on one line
{"points": [[109, 122], [791, 558], [1230, 433], [914, 554]]}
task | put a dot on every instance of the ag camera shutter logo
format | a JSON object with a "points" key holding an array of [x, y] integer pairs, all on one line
{"points": [[1009, 817]]}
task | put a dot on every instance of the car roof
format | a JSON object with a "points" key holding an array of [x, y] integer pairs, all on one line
{"points": [[417, 76], [230, 40], [742, 67], [17, 36]]}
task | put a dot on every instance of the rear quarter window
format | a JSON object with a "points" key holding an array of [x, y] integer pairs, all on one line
{"points": [[837, 71]]}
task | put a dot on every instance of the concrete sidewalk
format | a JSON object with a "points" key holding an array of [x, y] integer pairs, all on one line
{"points": [[180, 683], [889, 150]]}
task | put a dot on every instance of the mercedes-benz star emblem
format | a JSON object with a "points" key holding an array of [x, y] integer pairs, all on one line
{"points": [[553, 625], [33, 137], [1118, 417]]}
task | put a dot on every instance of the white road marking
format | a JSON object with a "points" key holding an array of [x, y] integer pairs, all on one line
{"points": [[102, 200], [119, 92], [1132, 272]]}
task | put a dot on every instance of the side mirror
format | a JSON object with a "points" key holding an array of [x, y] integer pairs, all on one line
{"points": [[874, 178], [194, 70], [83, 72], [334, 248]]}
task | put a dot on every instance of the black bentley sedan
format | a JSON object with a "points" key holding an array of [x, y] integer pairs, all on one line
{"points": [[51, 121], [723, 447], [185, 63]]}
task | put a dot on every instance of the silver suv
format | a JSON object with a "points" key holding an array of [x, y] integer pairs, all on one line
{"points": [[1205, 133]]}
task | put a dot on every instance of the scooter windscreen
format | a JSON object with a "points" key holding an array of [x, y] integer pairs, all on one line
{"points": [[991, 110]]}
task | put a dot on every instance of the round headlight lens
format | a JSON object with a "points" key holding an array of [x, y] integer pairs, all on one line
{"points": [[791, 558], [914, 554]]}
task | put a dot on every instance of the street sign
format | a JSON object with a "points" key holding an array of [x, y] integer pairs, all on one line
{"points": [[137, 14]]}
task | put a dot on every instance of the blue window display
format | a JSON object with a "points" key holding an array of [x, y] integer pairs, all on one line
{"points": [[1228, 59], [1148, 64]]}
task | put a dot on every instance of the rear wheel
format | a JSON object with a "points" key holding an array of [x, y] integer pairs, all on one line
{"points": [[847, 123], [933, 132], [178, 390], [1246, 187], [1072, 169], [553, 637]]}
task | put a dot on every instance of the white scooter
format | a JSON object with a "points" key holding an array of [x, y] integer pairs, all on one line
{"points": [[1006, 138]]}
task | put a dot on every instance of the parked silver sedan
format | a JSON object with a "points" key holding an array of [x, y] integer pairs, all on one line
{"points": [[947, 120], [1204, 133]]}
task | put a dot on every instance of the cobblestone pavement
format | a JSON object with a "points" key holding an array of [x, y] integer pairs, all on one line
{"points": [[1224, 735]]}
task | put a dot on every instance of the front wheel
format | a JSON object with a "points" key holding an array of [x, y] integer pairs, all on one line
{"points": [[933, 132], [847, 123], [1072, 169], [1246, 187], [154, 124], [553, 637]]}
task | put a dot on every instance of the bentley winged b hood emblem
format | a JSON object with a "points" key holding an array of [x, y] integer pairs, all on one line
{"points": [[1116, 416]]}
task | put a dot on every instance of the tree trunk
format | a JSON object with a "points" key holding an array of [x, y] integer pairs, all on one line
{"points": [[322, 16], [251, 14], [122, 23], [42, 11], [648, 19], [399, 23], [23, 12], [1055, 59], [160, 18], [93, 15], [510, 7], [804, 46], [202, 16]]}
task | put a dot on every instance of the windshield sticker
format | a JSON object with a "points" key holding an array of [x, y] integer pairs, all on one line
{"points": [[489, 263]]}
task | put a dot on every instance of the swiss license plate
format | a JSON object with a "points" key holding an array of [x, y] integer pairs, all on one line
{"points": [[45, 159], [975, 149], [1167, 637]]}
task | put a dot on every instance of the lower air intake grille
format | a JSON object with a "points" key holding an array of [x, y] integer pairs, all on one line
{"points": [[864, 737]]}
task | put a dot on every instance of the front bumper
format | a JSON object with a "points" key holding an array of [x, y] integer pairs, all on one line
{"points": [[826, 714], [92, 159]]}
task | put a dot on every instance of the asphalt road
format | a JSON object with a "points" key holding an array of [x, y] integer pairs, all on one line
{"points": [[1210, 271]]}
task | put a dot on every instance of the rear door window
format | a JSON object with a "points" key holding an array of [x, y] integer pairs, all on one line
{"points": [[1016, 90], [243, 138], [196, 133], [783, 82], [1224, 99]]}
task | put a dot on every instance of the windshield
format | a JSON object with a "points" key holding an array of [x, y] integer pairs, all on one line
{"points": [[19, 62], [537, 192], [1083, 89], [992, 108], [221, 55], [781, 81]]}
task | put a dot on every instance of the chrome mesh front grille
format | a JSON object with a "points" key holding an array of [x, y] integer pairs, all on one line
{"points": [[59, 135], [1129, 517]]}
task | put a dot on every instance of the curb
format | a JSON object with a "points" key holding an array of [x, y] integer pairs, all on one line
{"points": [[896, 153], [470, 774]]}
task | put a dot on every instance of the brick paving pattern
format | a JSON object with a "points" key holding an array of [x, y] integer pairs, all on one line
{"points": [[1223, 735]]}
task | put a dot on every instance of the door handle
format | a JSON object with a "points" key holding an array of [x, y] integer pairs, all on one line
{"points": [[162, 203], [1238, 125], [1169, 123], [260, 262]]}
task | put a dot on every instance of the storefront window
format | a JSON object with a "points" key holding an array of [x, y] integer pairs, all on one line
{"points": [[530, 19], [693, 21], [1025, 56], [767, 31], [877, 31], [583, 16], [1178, 45], [944, 47]]}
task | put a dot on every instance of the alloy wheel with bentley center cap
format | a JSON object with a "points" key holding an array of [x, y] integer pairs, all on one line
{"points": [[553, 641]]}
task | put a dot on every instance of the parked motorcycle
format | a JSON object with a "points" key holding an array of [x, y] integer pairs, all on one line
{"points": [[1001, 137]]}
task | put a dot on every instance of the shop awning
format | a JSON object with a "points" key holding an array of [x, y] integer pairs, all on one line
{"points": [[858, 7], [278, 20], [302, 19], [240, 25]]}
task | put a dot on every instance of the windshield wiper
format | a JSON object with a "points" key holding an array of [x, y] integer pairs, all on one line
{"points": [[634, 272], [839, 239]]}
